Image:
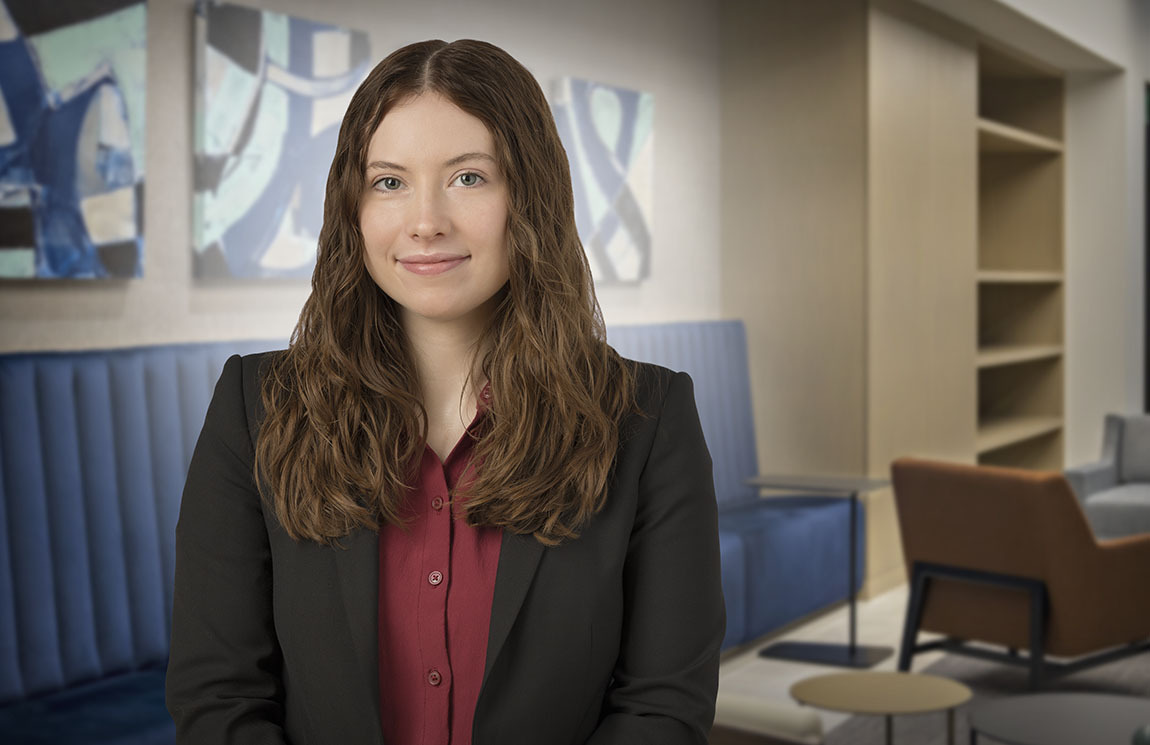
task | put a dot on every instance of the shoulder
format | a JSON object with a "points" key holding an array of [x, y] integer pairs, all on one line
{"points": [[240, 384], [253, 367], [243, 373], [664, 402], [654, 384]]}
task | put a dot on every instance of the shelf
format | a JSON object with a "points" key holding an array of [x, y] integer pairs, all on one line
{"points": [[999, 433], [1013, 354], [1012, 277], [1020, 267], [996, 137]]}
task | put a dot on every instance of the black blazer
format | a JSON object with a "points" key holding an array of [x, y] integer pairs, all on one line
{"points": [[610, 639]]}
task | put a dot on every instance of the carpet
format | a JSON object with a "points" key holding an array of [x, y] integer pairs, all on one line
{"points": [[988, 680]]}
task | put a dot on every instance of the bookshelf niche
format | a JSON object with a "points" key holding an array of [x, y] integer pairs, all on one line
{"points": [[1019, 363]]}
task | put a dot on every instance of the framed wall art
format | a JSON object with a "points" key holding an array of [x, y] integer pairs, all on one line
{"points": [[271, 91], [607, 132], [72, 92]]}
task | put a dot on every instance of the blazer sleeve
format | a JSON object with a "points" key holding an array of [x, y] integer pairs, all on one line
{"points": [[667, 674], [224, 680]]}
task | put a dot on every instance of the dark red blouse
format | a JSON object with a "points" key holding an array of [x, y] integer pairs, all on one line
{"points": [[436, 582]]}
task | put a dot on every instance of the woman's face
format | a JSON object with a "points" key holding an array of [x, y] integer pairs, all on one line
{"points": [[434, 212]]}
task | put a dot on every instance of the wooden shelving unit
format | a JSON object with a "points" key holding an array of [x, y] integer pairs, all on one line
{"points": [[1019, 363], [1018, 277], [1008, 354], [1002, 138], [996, 434]]}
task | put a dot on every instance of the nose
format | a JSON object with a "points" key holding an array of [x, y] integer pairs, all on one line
{"points": [[428, 216]]}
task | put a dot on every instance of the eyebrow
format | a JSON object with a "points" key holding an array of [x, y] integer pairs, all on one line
{"points": [[389, 166]]}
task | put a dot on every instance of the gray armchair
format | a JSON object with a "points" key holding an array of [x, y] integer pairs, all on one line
{"points": [[1115, 491]]}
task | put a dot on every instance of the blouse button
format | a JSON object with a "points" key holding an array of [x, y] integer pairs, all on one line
{"points": [[434, 678], [435, 578], [437, 504]]}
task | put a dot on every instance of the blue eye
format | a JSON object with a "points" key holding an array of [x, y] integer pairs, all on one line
{"points": [[469, 179], [388, 183]]}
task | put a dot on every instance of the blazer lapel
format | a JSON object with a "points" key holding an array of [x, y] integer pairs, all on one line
{"points": [[357, 564], [519, 557]]}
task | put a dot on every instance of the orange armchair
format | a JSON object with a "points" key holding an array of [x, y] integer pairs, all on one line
{"points": [[1005, 556]]}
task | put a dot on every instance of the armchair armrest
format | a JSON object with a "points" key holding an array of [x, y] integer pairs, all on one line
{"points": [[1092, 477], [1103, 473]]}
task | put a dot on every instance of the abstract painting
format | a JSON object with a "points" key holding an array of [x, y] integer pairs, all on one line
{"points": [[606, 131], [72, 97], [271, 93]]}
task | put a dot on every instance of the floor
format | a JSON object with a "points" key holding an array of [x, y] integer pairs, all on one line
{"points": [[880, 622]]}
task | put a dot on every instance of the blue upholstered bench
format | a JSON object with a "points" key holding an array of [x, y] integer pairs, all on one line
{"points": [[782, 557], [94, 447]]}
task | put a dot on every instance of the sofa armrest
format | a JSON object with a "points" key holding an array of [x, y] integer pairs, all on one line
{"points": [[1092, 478]]}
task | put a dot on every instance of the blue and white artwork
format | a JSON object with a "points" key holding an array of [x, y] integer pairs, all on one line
{"points": [[271, 94], [606, 131], [72, 97]]}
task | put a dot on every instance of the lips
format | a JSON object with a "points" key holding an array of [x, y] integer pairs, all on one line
{"points": [[431, 264]]}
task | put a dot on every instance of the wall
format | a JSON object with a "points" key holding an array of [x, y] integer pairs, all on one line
{"points": [[667, 47]]}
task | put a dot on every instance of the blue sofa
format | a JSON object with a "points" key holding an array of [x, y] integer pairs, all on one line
{"points": [[94, 446], [783, 558], [93, 451]]}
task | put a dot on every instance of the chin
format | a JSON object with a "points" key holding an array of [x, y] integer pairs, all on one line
{"points": [[440, 313]]}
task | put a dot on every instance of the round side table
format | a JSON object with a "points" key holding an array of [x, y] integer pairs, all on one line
{"points": [[1061, 719], [886, 693]]}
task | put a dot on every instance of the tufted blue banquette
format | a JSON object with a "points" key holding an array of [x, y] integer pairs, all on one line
{"points": [[94, 447]]}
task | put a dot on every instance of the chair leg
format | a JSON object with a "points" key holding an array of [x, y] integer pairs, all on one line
{"points": [[1037, 636], [913, 619], [1035, 668]]}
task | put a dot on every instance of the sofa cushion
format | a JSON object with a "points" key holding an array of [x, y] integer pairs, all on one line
{"points": [[125, 709], [1134, 458], [796, 551], [1120, 511]]}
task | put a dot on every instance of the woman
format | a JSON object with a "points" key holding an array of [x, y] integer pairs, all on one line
{"points": [[475, 522]]}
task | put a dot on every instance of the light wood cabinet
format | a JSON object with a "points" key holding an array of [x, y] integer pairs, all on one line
{"points": [[892, 236], [1019, 365]]}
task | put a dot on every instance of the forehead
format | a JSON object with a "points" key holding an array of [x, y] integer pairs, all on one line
{"points": [[428, 125]]}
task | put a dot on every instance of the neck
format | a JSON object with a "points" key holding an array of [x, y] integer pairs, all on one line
{"points": [[445, 353]]}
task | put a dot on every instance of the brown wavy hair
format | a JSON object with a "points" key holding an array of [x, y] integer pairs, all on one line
{"points": [[344, 424]]}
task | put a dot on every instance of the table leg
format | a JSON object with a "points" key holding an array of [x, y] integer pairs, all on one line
{"points": [[950, 727], [851, 654], [851, 542], [889, 730]]}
